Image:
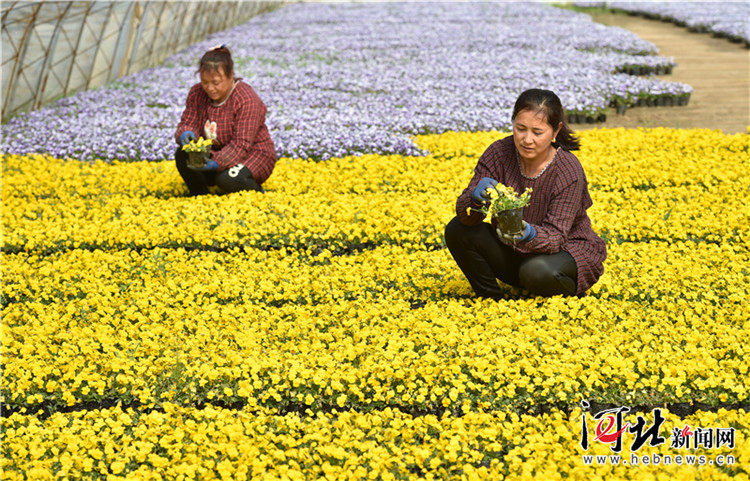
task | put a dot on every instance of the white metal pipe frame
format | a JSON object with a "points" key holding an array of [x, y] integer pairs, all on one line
{"points": [[51, 49]]}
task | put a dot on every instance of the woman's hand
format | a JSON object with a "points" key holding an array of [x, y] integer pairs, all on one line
{"points": [[209, 166], [528, 233], [186, 137], [480, 195]]}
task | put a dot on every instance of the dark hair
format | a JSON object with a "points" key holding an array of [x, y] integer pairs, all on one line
{"points": [[217, 59], [547, 103]]}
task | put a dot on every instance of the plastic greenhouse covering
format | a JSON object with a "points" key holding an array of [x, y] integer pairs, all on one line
{"points": [[53, 49]]}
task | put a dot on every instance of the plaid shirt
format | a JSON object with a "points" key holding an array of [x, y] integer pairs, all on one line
{"points": [[242, 135], [557, 210]]}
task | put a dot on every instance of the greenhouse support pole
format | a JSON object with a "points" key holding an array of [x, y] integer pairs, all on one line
{"points": [[42, 83], [119, 46], [136, 42], [201, 12], [99, 46], [174, 36], [237, 10], [134, 22], [151, 50], [85, 15], [19, 56]]}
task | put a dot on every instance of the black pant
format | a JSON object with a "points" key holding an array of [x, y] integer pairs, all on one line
{"points": [[483, 259], [234, 179]]}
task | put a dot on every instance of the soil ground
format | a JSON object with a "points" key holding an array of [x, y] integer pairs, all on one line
{"points": [[716, 68]]}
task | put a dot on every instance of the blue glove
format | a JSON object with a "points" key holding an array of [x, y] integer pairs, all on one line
{"points": [[210, 165], [528, 233], [186, 137], [480, 196]]}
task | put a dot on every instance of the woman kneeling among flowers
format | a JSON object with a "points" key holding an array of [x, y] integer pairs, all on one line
{"points": [[241, 154], [554, 251]]}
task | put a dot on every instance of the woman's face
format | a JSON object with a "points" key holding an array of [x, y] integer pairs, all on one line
{"points": [[216, 85], [533, 135]]}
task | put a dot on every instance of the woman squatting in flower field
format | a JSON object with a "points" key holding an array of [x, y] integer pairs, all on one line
{"points": [[557, 251], [230, 113]]}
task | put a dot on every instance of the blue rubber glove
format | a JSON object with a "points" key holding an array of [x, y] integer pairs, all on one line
{"points": [[528, 233], [480, 195], [210, 165], [186, 137]]}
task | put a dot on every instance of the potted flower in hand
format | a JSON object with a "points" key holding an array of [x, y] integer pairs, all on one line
{"points": [[507, 207], [198, 152]]}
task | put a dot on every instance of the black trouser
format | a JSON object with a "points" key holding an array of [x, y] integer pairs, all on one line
{"points": [[234, 179], [483, 259]]}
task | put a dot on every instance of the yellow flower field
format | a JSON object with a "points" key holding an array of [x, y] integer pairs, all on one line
{"points": [[322, 330], [215, 443]]}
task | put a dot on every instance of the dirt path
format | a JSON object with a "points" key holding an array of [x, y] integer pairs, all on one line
{"points": [[717, 69]]}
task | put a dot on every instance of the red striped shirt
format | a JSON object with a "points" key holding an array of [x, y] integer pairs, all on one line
{"points": [[242, 135], [557, 209]]}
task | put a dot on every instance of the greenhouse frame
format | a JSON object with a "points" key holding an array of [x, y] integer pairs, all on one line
{"points": [[52, 49]]}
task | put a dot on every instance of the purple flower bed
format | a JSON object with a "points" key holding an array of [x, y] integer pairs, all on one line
{"points": [[343, 79], [725, 19]]}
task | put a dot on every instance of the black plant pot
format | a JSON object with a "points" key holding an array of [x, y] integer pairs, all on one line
{"points": [[621, 109], [198, 159], [510, 221]]}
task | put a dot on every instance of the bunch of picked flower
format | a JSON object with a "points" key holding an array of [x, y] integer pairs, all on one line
{"points": [[504, 198], [200, 145]]}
